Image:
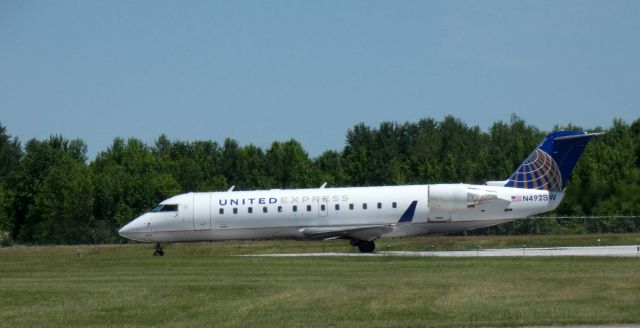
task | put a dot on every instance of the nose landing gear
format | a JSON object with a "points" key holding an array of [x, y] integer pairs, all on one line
{"points": [[157, 250]]}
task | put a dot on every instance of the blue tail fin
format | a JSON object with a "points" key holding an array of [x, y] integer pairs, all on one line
{"points": [[550, 165]]}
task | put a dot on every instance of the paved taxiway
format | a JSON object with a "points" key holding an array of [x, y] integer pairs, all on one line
{"points": [[625, 251]]}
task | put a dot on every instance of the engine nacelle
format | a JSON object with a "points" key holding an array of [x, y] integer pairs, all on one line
{"points": [[450, 197]]}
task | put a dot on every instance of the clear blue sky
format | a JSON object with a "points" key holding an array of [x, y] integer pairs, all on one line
{"points": [[260, 71]]}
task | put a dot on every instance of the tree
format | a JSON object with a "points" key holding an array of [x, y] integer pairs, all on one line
{"points": [[6, 199], [329, 167], [10, 153], [40, 180], [196, 166], [128, 181], [288, 165], [509, 145], [62, 209]]}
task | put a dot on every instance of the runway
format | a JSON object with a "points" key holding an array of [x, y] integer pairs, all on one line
{"points": [[616, 251]]}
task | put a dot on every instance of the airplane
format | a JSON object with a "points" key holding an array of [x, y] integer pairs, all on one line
{"points": [[364, 214]]}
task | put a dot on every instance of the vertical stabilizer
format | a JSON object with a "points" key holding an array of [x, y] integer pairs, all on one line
{"points": [[550, 165]]}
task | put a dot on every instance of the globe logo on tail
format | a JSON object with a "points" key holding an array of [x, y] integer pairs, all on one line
{"points": [[538, 171]]}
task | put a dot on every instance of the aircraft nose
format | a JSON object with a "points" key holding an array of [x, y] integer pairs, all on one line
{"points": [[127, 230], [136, 229]]}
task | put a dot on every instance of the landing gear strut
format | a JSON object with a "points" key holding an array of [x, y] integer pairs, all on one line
{"points": [[363, 245], [157, 250]]}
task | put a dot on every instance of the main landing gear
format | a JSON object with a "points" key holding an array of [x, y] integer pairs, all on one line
{"points": [[157, 250], [363, 245]]}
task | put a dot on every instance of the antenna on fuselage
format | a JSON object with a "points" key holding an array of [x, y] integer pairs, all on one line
{"points": [[231, 189], [323, 185]]}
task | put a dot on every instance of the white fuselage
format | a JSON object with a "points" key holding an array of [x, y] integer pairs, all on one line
{"points": [[271, 214]]}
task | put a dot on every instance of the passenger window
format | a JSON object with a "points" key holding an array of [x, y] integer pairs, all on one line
{"points": [[379, 205], [221, 211], [235, 210], [250, 210], [308, 208], [264, 209], [337, 207], [364, 206], [279, 209], [323, 207], [394, 205], [295, 208], [350, 206]]}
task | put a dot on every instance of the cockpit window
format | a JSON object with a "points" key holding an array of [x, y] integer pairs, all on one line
{"points": [[169, 208], [165, 208]]}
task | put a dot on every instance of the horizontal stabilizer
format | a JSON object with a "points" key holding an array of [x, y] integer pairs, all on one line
{"points": [[496, 183]]}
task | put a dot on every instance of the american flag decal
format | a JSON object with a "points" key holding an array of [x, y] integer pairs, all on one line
{"points": [[516, 198]]}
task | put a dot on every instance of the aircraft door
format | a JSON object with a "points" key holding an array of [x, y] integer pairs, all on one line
{"points": [[202, 211], [323, 213], [323, 209]]}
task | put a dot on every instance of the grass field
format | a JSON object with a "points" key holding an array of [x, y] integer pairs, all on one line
{"points": [[205, 285]]}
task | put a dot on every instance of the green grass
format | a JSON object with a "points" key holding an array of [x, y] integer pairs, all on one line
{"points": [[205, 285]]}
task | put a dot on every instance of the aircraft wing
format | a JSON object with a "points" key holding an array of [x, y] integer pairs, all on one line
{"points": [[362, 232], [366, 232]]}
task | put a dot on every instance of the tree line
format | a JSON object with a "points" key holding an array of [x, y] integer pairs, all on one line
{"points": [[51, 194]]}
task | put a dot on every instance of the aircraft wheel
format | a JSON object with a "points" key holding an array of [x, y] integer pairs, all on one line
{"points": [[158, 250], [367, 246]]}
